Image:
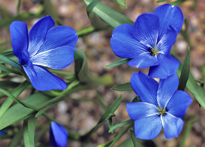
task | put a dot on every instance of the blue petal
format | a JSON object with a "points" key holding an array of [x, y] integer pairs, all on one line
{"points": [[179, 103], [169, 16], [19, 39], [167, 87], [172, 125], [59, 36], [42, 79], [168, 66], [3, 132], [144, 60], [138, 110], [38, 33], [146, 28], [148, 127], [167, 41], [145, 87], [58, 135], [124, 44], [57, 58]]}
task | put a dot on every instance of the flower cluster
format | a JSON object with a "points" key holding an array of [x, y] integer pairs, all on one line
{"points": [[43, 46], [147, 43]]}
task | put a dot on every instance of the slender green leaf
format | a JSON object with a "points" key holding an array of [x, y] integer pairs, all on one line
{"points": [[44, 109], [188, 127], [86, 31], [10, 62], [17, 139], [135, 140], [159, 1], [18, 7], [101, 101], [4, 107], [112, 17], [122, 3], [18, 112], [121, 125], [9, 70], [127, 143], [29, 131], [185, 71], [108, 114], [122, 87], [177, 2], [194, 88], [117, 63]]}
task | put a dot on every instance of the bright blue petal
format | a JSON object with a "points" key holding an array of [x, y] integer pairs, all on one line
{"points": [[59, 36], [57, 58], [19, 39], [38, 33], [146, 28], [58, 135], [167, 41], [42, 79], [144, 60], [172, 125], [168, 66], [145, 87], [169, 16], [167, 88], [124, 44], [148, 127], [178, 104], [138, 110]]}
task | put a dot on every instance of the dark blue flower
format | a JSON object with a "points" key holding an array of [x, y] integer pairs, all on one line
{"points": [[2, 132], [162, 106], [43, 46], [58, 135], [148, 42]]}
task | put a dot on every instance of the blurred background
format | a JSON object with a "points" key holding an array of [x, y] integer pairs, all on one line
{"points": [[82, 111]]}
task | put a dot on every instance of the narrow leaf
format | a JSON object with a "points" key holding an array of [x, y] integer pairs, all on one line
{"points": [[185, 71], [127, 143], [7, 103], [117, 63], [122, 3], [135, 140], [112, 17], [121, 125], [194, 88], [122, 87], [108, 114], [29, 131], [187, 129]]}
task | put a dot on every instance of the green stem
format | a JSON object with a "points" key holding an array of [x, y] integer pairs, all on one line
{"points": [[85, 31], [70, 86]]}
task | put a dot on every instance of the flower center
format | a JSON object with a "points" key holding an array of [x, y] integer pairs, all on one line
{"points": [[154, 51], [161, 111]]}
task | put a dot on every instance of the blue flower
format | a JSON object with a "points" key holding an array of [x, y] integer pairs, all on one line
{"points": [[162, 106], [43, 46], [58, 135], [148, 42], [2, 132]]}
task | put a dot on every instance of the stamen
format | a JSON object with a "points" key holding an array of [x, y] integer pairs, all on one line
{"points": [[154, 51], [162, 111]]}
